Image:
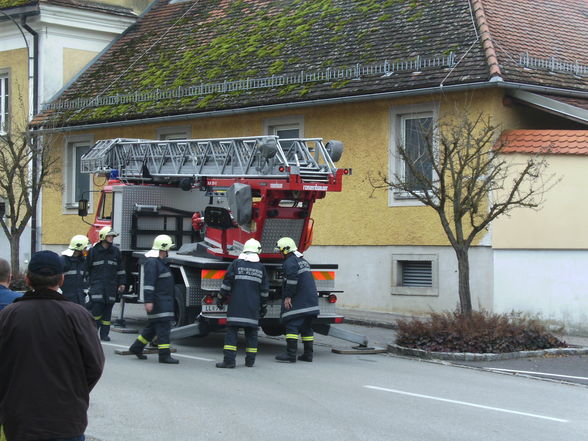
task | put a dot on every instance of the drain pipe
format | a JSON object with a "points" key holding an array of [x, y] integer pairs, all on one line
{"points": [[34, 190]]}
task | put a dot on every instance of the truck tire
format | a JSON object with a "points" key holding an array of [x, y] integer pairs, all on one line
{"points": [[180, 316], [273, 331]]}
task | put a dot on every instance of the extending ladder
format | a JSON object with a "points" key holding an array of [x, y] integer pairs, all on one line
{"points": [[251, 157]]}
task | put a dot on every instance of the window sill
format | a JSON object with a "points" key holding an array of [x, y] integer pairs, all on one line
{"points": [[414, 291]]}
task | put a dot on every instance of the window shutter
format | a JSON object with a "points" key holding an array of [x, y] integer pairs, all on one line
{"points": [[417, 273]]}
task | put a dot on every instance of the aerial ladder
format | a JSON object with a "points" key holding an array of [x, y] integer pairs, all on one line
{"points": [[270, 183]]}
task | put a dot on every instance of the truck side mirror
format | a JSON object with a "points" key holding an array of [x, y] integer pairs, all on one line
{"points": [[218, 217], [83, 207], [240, 203]]}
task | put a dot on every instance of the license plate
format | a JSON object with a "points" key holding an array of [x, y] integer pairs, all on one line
{"points": [[213, 308]]}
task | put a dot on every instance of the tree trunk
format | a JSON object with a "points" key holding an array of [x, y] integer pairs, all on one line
{"points": [[15, 254], [463, 266]]}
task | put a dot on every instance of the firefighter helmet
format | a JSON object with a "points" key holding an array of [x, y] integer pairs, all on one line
{"points": [[162, 243], [78, 242], [286, 245], [106, 231], [252, 246]]}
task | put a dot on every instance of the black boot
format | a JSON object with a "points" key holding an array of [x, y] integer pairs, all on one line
{"points": [[228, 360], [249, 360], [290, 355], [137, 349], [307, 354], [165, 357], [104, 331]]}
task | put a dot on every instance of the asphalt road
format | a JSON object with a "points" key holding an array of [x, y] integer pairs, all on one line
{"points": [[346, 397]]}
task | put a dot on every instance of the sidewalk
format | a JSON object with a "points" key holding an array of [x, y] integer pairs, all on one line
{"points": [[388, 320]]}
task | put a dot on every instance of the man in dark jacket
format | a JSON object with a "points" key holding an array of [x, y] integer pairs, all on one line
{"points": [[7, 296], [74, 270], [158, 292], [107, 279], [300, 302], [246, 288], [50, 359]]}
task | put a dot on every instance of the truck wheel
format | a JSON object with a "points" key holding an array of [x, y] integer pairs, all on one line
{"points": [[273, 331], [180, 316]]}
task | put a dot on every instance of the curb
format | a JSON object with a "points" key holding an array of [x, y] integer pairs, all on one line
{"points": [[367, 322], [470, 356]]}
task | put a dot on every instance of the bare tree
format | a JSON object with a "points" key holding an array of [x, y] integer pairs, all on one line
{"points": [[19, 189], [461, 171]]}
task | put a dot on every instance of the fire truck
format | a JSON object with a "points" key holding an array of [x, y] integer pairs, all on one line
{"points": [[210, 196]]}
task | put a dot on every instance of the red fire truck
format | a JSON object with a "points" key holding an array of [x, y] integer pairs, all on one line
{"points": [[210, 196]]}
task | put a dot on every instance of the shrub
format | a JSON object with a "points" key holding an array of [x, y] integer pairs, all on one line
{"points": [[18, 283], [480, 332]]}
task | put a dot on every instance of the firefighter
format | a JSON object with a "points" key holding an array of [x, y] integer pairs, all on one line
{"points": [[300, 302], [74, 267], [158, 290], [245, 288], [106, 278]]}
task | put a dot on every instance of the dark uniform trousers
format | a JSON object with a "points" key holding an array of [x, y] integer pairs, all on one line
{"points": [[302, 326], [159, 328], [230, 348], [102, 313]]}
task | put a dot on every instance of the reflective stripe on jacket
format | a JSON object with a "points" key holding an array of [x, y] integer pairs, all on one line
{"points": [[300, 287], [247, 285], [158, 288], [105, 273], [74, 278]]}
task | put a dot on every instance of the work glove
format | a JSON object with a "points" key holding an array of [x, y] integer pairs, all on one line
{"points": [[262, 311]]}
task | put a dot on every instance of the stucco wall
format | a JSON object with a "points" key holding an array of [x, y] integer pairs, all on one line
{"points": [[73, 61], [561, 222], [551, 284], [15, 62], [365, 276]]}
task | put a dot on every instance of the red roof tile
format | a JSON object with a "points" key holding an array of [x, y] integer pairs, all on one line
{"points": [[566, 142], [542, 29]]}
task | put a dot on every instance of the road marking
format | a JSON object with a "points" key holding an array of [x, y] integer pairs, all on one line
{"points": [[465, 403], [538, 373], [175, 354]]}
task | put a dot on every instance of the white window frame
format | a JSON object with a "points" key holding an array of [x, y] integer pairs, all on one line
{"points": [[399, 290], [398, 115], [4, 101], [272, 125], [174, 133], [71, 143]]}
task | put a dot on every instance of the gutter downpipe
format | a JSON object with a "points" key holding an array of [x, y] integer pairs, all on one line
{"points": [[36, 198]]}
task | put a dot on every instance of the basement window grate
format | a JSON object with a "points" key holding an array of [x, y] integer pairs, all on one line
{"points": [[417, 273]]}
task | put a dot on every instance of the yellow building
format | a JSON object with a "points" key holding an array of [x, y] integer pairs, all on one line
{"points": [[366, 75], [44, 45]]}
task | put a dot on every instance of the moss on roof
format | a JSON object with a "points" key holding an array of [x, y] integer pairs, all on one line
{"points": [[5, 4], [177, 45]]}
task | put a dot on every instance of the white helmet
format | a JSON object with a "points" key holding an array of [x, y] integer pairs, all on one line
{"points": [[106, 231], [162, 243], [78, 242], [252, 246], [286, 245]]}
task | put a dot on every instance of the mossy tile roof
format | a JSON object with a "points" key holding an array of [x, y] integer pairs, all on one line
{"points": [[205, 55]]}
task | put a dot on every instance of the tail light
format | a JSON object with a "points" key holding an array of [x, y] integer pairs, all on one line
{"points": [[332, 298], [222, 321], [338, 319], [208, 300]]}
